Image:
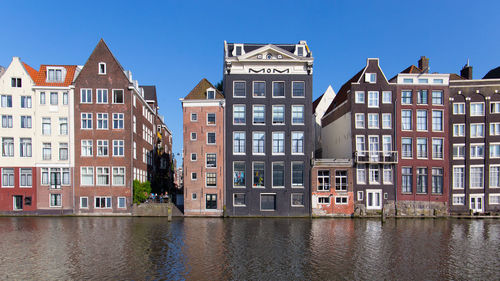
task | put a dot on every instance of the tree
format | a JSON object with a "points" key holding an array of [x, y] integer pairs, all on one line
{"points": [[219, 86], [141, 191]]}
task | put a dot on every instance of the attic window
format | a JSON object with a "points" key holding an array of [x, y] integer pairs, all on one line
{"points": [[210, 94], [371, 77], [300, 51], [54, 75], [102, 68], [238, 50]]}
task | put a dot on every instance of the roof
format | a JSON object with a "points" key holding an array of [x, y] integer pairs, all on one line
{"points": [[493, 74], [31, 71], [2, 70], [149, 93], [342, 93], [248, 47], [316, 102], [454, 76], [410, 70], [41, 76], [199, 91]]}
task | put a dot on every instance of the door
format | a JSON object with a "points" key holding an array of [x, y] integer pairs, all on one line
{"points": [[373, 146], [373, 199], [476, 203], [18, 202]]}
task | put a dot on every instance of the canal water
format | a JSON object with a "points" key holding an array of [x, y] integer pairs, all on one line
{"points": [[64, 248]]}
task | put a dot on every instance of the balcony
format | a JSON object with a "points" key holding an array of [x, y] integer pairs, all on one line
{"points": [[376, 157]]}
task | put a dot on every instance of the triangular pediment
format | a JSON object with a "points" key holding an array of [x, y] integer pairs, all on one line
{"points": [[269, 52]]}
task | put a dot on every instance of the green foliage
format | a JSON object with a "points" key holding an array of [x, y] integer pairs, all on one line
{"points": [[141, 191], [219, 86]]}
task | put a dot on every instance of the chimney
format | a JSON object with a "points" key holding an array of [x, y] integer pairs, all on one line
{"points": [[466, 71], [423, 64]]}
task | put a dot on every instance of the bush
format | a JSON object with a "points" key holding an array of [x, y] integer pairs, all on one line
{"points": [[141, 191]]}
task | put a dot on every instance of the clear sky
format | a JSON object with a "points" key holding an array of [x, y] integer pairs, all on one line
{"points": [[174, 44]]}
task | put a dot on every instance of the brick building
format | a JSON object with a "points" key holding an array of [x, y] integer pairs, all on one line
{"points": [[203, 115]]}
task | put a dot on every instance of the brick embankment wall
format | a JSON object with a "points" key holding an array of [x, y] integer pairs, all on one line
{"points": [[155, 210]]}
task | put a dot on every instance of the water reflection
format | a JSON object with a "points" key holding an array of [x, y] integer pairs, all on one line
{"points": [[242, 249]]}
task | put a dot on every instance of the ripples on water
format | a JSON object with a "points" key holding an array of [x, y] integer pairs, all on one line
{"points": [[255, 249]]}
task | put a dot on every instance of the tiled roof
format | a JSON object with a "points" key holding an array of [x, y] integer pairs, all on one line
{"points": [[454, 76], [342, 93], [41, 77], [199, 92], [149, 93], [493, 74], [410, 70], [31, 71]]}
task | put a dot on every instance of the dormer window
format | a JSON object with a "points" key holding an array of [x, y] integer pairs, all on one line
{"points": [[371, 77], [54, 75], [210, 94], [102, 68], [238, 50], [300, 51]]}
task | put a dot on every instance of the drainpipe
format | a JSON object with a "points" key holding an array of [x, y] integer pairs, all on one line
{"points": [[397, 158]]}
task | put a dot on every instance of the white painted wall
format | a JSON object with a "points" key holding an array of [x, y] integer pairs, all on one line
{"points": [[337, 140], [319, 112]]}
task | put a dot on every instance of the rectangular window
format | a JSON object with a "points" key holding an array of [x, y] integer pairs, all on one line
{"points": [[46, 151], [211, 179], [458, 177], [194, 176], [259, 89], [86, 148], [297, 114], [102, 202], [458, 199], [239, 114], [55, 200], [7, 177], [46, 126], [278, 174], [258, 174], [373, 99], [421, 120], [323, 180], [422, 97], [63, 126], [341, 180], [84, 202], [85, 96], [437, 148], [86, 121], [297, 142], [194, 156], [371, 77], [360, 120], [239, 200], [279, 89], [406, 120], [102, 121], [194, 117], [494, 176], [477, 130], [386, 121], [258, 141], [122, 201], [65, 176], [102, 96], [278, 114], [65, 98], [408, 80], [239, 89], [297, 174], [102, 148], [211, 201], [45, 176], [361, 174], [360, 145], [118, 147], [26, 102], [360, 97], [297, 200], [387, 145], [210, 118], [87, 176], [25, 147], [476, 150], [476, 177], [63, 151], [259, 114], [102, 175], [26, 122], [374, 175], [268, 202], [421, 180], [437, 120], [42, 97], [459, 130], [421, 147], [239, 142], [437, 98], [341, 200], [6, 100], [406, 97], [373, 121], [25, 177], [387, 174], [495, 107], [118, 96], [239, 174], [16, 82], [298, 89], [210, 138], [494, 129], [406, 147], [494, 150], [458, 151], [477, 109], [7, 121], [278, 142], [437, 180], [386, 97], [458, 108], [323, 200], [194, 136], [118, 120]]}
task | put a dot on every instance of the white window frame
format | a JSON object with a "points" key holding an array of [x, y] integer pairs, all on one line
{"points": [[272, 174], [107, 197], [277, 123], [244, 114], [118, 202], [101, 93], [442, 120], [470, 177], [240, 81], [459, 109], [386, 94], [369, 125], [390, 120], [284, 90], [474, 133], [475, 114], [99, 68], [359, 97], [253, 114], [373, 101], [83, 92], [81, 201], [458, 196], [253, 89], [456, 130], [453, 177]]}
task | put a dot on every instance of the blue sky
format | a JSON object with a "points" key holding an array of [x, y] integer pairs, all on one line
{"points": [[174, 44]]}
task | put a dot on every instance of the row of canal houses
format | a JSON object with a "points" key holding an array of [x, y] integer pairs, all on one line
{"points": [[417, 144], [74, 138]]}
